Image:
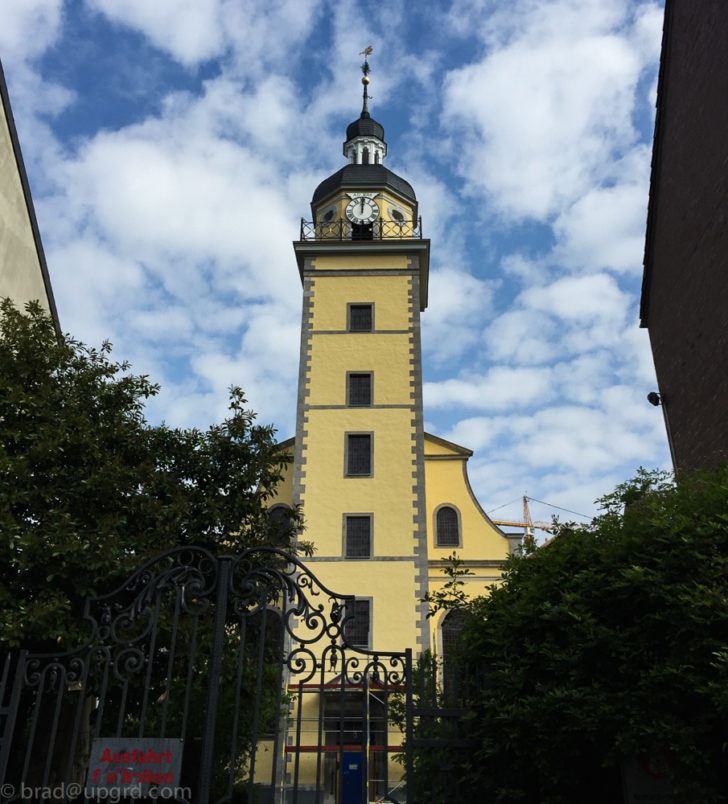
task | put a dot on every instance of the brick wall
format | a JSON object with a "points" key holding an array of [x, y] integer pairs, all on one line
{"points": [[685, 294]]}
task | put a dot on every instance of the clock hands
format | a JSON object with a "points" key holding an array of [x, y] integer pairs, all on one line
{"points": [[361, 209]]}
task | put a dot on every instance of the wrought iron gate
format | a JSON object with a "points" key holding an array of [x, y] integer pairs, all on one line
{"points": [[208, 679]]}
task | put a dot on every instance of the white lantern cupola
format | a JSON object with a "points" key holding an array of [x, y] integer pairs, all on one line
{"points": [[365, 143]]}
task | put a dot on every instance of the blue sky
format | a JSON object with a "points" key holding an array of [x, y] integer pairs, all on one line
{"points": [[173, 147]]}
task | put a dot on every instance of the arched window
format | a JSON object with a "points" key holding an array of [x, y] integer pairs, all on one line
{"points": [[280, 517], [365, 156], [448, 529], [452, 630]]}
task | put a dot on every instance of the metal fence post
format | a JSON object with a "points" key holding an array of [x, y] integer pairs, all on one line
{"points": [[218, 639], [10, 711], [409, 727]]}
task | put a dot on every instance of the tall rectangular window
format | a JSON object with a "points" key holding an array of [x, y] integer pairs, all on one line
{"points": [[357, 630], [361, 317], [358, 454], [359, 389], [357, 536]]}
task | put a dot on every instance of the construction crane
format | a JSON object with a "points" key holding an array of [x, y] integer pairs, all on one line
{"points": [[528, 524]]}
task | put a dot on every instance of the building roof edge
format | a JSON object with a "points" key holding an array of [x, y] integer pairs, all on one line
{"points": [[648, 258]]}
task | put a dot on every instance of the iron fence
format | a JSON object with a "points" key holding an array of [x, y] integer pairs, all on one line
{"points": [[210, 679], [379, 229]]}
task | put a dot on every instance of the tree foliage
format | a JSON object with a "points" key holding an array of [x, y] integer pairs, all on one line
{"points": [[608, 643], [89, 490]]}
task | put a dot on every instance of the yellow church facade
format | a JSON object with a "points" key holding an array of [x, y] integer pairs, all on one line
{"points": [[384, 503], [395, 582]]}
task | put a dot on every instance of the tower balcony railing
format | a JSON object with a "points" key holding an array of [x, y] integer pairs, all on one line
{"points": [[377, 230]]}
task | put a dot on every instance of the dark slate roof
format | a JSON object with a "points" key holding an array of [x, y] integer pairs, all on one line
{"points": [[361, 177], [365, 126]]}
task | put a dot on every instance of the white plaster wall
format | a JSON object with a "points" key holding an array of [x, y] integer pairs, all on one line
{"points": [[20, 272]]}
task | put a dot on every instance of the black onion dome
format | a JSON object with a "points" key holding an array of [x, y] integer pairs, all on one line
{"points": [[365, 126], [360, 177]]}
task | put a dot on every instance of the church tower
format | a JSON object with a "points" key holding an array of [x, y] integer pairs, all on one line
{"points": [[359, 450], [385, 504]]}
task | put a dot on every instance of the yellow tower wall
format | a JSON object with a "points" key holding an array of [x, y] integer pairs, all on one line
{"points": [[393, 577]]}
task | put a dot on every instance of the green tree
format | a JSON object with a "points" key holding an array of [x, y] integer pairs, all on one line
{"points": [[608, 643], [89, 490]]}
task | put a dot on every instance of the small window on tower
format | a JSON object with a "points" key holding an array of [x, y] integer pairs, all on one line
{"points": [[359, 389], [358, 455], [357, 536], [357, 630], [365, 156], [361, 318]]}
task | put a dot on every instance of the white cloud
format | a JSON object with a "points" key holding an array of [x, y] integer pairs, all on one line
{"points": [[208, 206], [522, 337], [583, 379], [454, 317], [274, 336], [28, 27], [194, 31], [94, 283], [542, 113], [190, 30], [583, 298], [579, 438], [567, 317], [172, 238], [570, 453], [526, 270], [604, 229], [646, 32], [501, 388]]}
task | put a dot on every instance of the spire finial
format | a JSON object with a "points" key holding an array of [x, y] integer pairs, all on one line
{"points": [[365, 80]]}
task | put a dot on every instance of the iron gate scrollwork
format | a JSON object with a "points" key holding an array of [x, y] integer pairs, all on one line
{"points": [[206, 679]]}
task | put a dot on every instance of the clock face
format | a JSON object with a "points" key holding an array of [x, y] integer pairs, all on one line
{"points": [[362, 210]]}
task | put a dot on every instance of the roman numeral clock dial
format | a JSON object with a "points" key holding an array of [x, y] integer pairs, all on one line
{"points": [[362, 210]]}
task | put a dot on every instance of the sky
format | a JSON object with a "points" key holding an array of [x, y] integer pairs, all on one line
{"points": [[173, 147]]}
